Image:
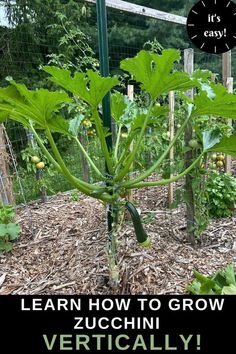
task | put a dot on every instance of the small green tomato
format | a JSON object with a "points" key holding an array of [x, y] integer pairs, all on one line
{"points": [[214, 157], [220, 157], [168, 134], [220, 164], [35, 159], [212, 165], [40, 165], [193, 143]]}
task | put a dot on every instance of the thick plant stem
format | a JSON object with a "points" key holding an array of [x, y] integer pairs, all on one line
{"points": [[92, 164], [103, 143], [84, 187], [164, 182], [54, 162], [130, 158], [45, 151], [147, 173], [117, 216], [125, 152], [73, 180], [117, 143], [112, 248]]}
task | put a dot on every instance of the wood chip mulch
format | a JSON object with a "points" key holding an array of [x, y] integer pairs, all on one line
{"points": [[62, 249]]}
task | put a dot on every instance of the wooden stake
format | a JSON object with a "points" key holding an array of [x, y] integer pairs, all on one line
{"points": [[143, 11], [189, 193], [6, 187], [226, 66], [227, 82], [84, 162], [130, 92], [172, 133], [228, 159]]}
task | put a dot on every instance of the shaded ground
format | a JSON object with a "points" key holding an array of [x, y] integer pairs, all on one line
{"points": [[63, 243]]}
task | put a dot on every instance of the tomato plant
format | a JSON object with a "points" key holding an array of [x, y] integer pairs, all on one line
{"points": [[44, 110], [220, 194], [38, 167]]}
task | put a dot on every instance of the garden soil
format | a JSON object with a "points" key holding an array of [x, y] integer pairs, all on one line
{"points": [[62, 249]]}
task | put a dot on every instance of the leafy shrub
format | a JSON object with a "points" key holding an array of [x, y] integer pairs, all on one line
{"points": [[9, 230], [220, 194], [6, 214], [221, 283]]}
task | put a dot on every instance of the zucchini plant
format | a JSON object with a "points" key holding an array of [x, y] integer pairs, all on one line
{"points": [[44, 110]]}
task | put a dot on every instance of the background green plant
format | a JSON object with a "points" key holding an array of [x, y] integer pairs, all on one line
{"points": [[9, 231], [220, 194], [220, 283]]}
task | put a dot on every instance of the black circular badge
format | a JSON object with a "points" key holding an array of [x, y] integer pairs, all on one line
{"points": [[211, 25]]}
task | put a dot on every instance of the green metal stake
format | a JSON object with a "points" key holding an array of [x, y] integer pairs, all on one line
{"points": [[104, 63], [106, 110]]}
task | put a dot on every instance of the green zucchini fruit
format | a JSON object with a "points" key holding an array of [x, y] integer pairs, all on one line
{"points": [[141, 235]]}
